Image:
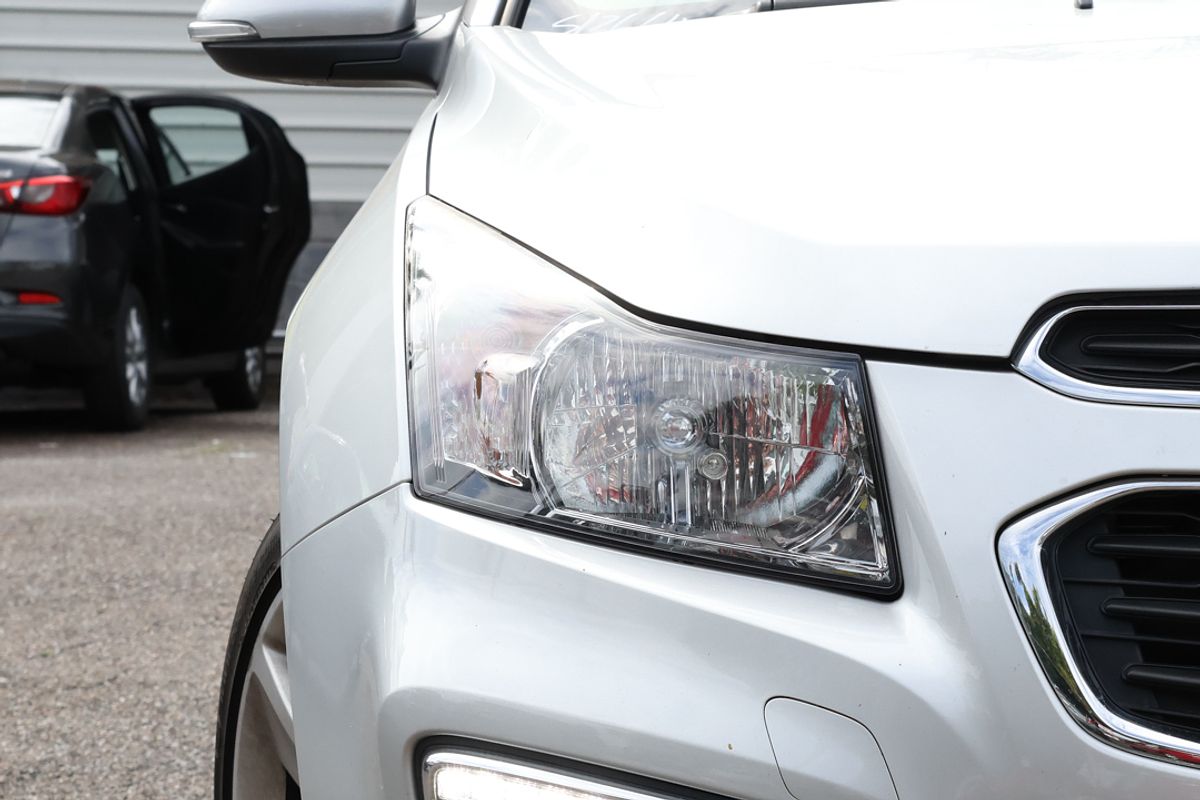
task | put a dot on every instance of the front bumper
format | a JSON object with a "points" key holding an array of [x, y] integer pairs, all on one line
{"points": [[408, 620]]}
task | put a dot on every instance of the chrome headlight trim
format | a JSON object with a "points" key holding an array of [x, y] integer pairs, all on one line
{"points": [[1029, 362], [1020, 550]]}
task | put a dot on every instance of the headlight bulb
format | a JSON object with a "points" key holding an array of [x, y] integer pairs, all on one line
{"points": [[713, 465], [677, 426]]}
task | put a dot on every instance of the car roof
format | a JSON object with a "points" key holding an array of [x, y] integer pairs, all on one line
{"points": [[50, 88]]}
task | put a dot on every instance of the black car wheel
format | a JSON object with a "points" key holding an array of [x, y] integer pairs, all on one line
{"points": [[242, 388], [118, 393], [256, 749]]}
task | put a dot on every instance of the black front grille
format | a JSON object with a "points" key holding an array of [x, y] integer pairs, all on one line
{"points": [[1126, 578], [1148, 347]]}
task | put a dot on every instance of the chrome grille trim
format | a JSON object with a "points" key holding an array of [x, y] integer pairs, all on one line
{"points": [[1030, 363], [1020, 553]]}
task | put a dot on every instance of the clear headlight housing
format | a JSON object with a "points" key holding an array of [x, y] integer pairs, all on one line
{"points": [[534, 396]]}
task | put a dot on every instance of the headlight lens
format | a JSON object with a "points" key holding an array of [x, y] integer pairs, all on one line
{"points": [[533, 395]]}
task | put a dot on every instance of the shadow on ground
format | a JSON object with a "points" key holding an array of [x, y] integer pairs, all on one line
{"points": [[34, 413]]}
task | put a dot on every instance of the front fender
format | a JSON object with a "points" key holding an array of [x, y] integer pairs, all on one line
{"points": [[343, 427]]}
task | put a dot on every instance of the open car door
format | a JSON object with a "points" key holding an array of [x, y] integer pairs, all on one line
{"points": [[233, 197]]}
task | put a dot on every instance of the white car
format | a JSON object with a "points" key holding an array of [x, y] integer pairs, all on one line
{"points": [[723, 400]]}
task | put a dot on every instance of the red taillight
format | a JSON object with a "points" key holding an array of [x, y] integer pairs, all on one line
{"points": [[54, 194], [9, 191], [38, 299]]}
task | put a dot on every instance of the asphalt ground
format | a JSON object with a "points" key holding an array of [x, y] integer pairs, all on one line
{"points": [[121, 558]]}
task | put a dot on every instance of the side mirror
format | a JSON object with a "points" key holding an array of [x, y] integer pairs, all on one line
{"points": [[326, 42]]}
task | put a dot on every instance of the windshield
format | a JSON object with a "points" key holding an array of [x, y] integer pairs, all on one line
{"points": [[25, 120], [593, 16]]}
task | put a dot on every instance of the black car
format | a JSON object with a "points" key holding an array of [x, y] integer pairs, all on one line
{"points": [[142, 240]]}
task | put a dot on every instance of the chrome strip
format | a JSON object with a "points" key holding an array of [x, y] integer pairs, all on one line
{"points": [[573, 783], [1031, 365], [204, 31], [1020, 550]]}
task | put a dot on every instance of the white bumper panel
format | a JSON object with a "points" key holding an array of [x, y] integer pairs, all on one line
{"points": [[408, 620], [826, 755]]}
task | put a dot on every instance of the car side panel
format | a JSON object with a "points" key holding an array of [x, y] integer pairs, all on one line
{"points": [[343, 408], [112, 240]]}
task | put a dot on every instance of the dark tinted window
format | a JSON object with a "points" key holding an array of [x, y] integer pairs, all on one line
{"points": [[197, 140], [109, 144], [25, 120]]}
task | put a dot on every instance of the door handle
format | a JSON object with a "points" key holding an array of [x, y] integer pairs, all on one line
{"points": [[178, 208], [270, 208]]}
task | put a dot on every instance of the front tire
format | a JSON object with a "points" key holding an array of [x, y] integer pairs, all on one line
{"points": [[118, 393], [255, 747], [242, 388]]}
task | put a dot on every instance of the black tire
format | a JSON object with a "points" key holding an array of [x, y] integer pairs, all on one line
{"points": [[118, 393], [243, 387], [261, 587]]}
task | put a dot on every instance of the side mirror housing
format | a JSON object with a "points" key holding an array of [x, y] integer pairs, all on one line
{"points": [[319, 42]]}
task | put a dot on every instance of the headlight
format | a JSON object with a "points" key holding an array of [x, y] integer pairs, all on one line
{"points": [[534, 396]]}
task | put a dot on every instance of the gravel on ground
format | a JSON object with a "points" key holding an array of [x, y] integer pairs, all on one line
{"points": [[121, 558]]}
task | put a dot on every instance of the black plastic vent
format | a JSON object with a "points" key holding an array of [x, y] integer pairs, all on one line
{"points": [[1127, 582], [1148, 347]]}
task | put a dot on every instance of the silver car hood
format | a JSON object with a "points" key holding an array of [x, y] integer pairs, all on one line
{"points": [[919, 175]]}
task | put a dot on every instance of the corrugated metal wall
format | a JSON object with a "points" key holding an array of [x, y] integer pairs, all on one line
{"points": [[348, 136]]}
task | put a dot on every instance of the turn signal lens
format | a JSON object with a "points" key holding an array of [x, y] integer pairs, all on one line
{"points": [[50, 195], [532, 395]]}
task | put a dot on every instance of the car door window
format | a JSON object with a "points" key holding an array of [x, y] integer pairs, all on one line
{"points": [[110, 146], [227, 214], [197, 140], [177, 168]]}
